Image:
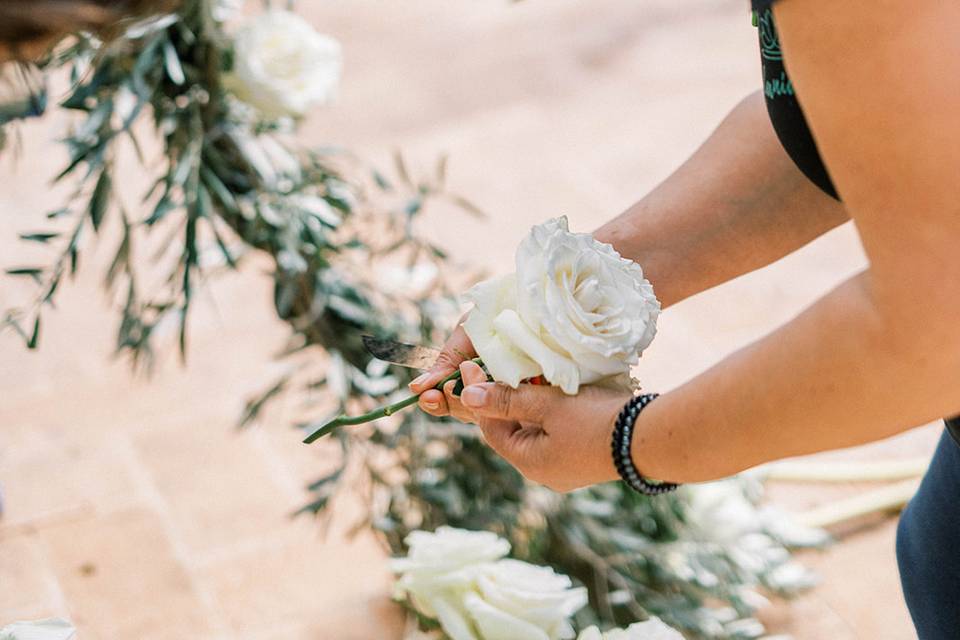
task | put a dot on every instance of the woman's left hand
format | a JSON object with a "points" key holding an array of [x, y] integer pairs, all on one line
{"points": [[557, 440]]}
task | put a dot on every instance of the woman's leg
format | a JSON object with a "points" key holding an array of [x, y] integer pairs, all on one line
{"points": [[928, 546]]}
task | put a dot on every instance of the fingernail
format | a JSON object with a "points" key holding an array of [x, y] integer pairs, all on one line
{"points": [[431, 405], [419, 380], [473, 396]]}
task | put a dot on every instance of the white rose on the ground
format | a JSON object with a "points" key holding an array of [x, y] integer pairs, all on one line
{"points": [[575, 311], [283, 66], [460, 579], [519, 601], [652, 629], [440, 568]]}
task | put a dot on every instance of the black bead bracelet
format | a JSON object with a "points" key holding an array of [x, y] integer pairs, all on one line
{"points": [[622, 438]]}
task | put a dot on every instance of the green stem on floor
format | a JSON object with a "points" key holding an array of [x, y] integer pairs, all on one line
{"points": [[344, 420]]}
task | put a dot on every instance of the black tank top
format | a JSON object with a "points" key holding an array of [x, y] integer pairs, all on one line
{"points": [[790, 123], [782, 105]]}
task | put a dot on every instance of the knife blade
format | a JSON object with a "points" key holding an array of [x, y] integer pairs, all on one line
{"points": [[399, 353]]}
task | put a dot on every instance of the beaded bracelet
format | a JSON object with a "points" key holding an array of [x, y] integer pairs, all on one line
{"points": [[622, 438]]}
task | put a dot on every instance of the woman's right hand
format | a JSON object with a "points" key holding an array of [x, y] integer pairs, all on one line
{"points": [[442, 403]]}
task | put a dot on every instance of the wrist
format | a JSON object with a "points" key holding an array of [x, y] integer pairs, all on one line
{"points": [[623, 446], [645, 448]]}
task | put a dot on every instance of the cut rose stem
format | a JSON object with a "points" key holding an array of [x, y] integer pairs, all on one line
{"points": [[345, 420]]}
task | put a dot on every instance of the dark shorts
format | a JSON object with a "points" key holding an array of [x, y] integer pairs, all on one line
{"points": [[928, 546]]}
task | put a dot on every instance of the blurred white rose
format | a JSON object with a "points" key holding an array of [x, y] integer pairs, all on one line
{"points": [[440, 568], [283, 66], [447, 549], [48, 629], [405, 281], [519, 601], [652, 629], [576, 312], [458, 578]]}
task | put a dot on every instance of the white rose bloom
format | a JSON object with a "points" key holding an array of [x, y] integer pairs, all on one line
{"points": [[459, 578], [411, 282], [283, 66], [519, 601], [448, 548], [652, 629], [440, 568], [576, 312]]}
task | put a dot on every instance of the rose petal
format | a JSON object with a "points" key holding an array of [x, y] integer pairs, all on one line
{"points": [[495, 624], [453, 620], [505, 364], [558, 369]]}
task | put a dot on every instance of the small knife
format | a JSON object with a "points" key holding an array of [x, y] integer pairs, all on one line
{"points": [[399, 353]]}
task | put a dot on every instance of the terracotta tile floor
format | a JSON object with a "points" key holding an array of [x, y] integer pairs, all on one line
{"points": [[135, 508]]}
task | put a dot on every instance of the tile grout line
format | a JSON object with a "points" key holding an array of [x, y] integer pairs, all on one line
{"points": [[212, 609]]}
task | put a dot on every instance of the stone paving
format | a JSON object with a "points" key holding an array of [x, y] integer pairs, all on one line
{"points": [[135, 508]]}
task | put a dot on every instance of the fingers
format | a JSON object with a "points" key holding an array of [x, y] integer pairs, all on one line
{"points": [[433, 402], [457, 349], [527, 403], [439, 404], [472, 373]]}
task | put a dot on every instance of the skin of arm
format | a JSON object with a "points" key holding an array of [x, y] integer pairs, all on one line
{"points": [[881, 353], [876, 356], [738, 204]]}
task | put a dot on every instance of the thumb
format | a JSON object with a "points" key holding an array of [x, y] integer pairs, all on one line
{"points": [[457, 349], [527, 403]]}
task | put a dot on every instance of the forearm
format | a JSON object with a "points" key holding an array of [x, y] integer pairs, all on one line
{"points": [[739, 203], [842, 373]]}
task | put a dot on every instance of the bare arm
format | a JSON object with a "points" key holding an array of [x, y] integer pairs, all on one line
{"points": [[876, 356], [881, 353], [738, 204]]}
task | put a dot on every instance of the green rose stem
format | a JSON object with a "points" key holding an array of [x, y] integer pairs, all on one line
{"points": [[345, 420]]}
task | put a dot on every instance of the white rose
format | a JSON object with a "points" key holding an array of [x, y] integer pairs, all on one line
{"points": [[652, 629], [440, 568], [283, 66], [410, 282], [516, 600], [575, 312], [459, 578]]}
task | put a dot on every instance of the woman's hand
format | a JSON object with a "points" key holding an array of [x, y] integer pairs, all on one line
{"points": [[457, 349], [557, 440]]}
